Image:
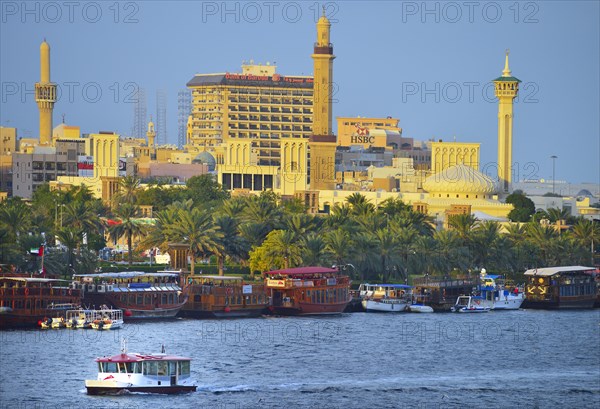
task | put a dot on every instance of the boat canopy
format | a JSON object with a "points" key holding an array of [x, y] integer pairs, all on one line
{"points": [[134, 357], [389, 285], [127, 274], [302, 270], [550, 271], [32, 279], [223, 278]]}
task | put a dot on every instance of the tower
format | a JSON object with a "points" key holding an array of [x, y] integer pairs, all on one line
{"points": [[151, 134], [184, 109], [45, 95], [161, 117], [322, 142], [506, 89], [139, 113]]}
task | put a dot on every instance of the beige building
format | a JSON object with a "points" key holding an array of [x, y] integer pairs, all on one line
{"points": [[370, 132], [8, 146], [447, 154]]}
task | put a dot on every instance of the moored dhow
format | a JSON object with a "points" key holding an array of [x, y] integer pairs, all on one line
{"points": [[148, 373], [560, 287], [27, 301], [307, 291], [223, 297], [140, 295]]}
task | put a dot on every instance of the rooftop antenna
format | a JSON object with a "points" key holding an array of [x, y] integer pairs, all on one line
{"points": [[63, 118], [124, 345], [162, 349]]}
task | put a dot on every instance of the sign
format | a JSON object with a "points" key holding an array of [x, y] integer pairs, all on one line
{"points": [[276, 283], [331, 281], [122, 166], [85, 166], [265, 78], [247, 289]]}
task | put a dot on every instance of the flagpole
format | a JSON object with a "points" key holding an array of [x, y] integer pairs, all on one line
{"points": [[43, 251]]}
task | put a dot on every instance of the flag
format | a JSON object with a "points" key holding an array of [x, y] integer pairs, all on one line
{"points": [[41, 251]]}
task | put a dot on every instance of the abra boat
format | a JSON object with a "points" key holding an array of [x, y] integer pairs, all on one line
{"points": [[307, 291], [469, 304], [385, 297], [560, 287], [501, 296], [26, 301], [80, 318], [149, 373], [223, 297], [140, 295], [106, 319]]}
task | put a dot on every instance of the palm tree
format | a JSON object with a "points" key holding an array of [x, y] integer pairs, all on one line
{"points": [[232, 243], [543, 238], [129, 186], [392, 206], [463, 224], [586, 233], [197, 230], [16, 216], [339, 244], [282, 246], [359, 204], [70, 238], [127, 213], [314, 250]]}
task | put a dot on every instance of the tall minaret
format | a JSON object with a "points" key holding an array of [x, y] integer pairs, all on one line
{"points": [[506, 88], [322, 143], [45, 95], [323, 78], [151, 133]]}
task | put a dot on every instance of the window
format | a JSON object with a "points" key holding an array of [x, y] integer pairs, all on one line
{"points": [[184, 368], [150, 368], [109, 367]]}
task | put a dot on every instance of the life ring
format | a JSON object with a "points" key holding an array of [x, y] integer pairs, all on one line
{"points": [[26, 291], [2, 292], [70, 291]]}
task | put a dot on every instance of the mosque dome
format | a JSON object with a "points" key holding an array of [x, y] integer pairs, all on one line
{"points": [[585, 193], [460, 179], [207, 159]]}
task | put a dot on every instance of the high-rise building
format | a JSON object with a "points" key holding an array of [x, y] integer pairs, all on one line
{"points": [[161, 118], [184, 109], [45, 95], [257, 105], [139, 114], [506, 88], [322, 142]]}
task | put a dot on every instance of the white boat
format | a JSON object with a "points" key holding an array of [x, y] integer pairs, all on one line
{"points": [[53, 323], [135, 372], [468, 303], [385, 297], [501, 297], [57, 316], [76, 319], [106, 319], [419, 308]]}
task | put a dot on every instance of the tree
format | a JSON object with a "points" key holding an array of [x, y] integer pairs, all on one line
{"points": [[127, 213], [203, 189], [281, 249], [524, 207], [129, 187], [196, 229]]}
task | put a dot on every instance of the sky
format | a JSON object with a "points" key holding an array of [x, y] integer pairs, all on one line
{"points": [[427, 63]]}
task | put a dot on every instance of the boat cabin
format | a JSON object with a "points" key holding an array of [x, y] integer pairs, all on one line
{"points": [[153, 369]]}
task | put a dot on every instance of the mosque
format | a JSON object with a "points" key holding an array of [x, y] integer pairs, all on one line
{"points": [[300, 164]]}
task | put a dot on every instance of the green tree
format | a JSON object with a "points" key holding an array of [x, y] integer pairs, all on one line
{"points": [[129, 226], [524, 207]]}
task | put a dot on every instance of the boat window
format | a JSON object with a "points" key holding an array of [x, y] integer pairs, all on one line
{"points": [[100, 367], [162, 368], [184, 368], [129, 367], [150, 368], [137, 367], [110, 367], [172, 368]]}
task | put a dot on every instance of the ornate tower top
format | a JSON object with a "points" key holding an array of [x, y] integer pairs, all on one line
{"points": [[323, 31], [506, 72], [44, 62]]}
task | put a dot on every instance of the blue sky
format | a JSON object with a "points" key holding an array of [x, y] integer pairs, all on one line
{"points": [[427, 63]]}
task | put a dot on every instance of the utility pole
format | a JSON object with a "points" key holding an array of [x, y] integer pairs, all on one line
{"points": [[553, 157]]}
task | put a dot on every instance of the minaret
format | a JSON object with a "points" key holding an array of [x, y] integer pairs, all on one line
{"points": [[151, 133], [506, 88], [322, 143], [323, 78], [45, 95]]}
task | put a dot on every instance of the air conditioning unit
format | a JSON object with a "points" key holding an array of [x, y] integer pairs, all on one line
{"points": [[109, 288], [74, 285], [101, 288], [91, 288]]}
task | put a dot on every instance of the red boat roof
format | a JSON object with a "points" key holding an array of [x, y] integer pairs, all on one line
{"points": [[302, 270], [141, 357]]}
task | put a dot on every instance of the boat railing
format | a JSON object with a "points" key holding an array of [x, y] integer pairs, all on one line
{"points": [[41, 291], [428, 282]]}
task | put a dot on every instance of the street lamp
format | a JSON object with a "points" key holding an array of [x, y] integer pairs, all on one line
{"points": [[553, 157]]}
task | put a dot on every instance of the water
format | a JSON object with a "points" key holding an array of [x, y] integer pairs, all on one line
{"points": [[495, 360]]}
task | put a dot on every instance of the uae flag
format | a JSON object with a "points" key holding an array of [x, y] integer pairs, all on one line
{"points": [[39, 251]]}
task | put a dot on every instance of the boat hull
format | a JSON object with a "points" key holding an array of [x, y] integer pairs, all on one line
{"points": [[578, 303], [310, 309], [378, 306], [419, 308], [508, 304], [241, 313], [119, 390], [157, 313]]}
